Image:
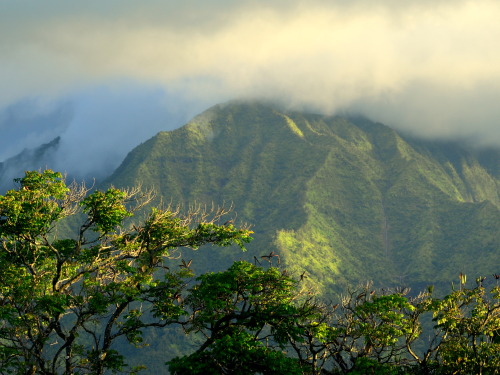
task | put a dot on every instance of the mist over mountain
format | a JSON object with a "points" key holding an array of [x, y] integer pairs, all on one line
{"points": [[27, 124], [430, 67], [343, 199], [96, 127], [38, 158]]}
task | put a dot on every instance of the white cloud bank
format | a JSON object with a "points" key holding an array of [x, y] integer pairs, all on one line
{"points": [[432, 67]]}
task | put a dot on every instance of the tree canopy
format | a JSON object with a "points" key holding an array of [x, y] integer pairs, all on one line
{"points": [[65, 300], [67, 297]]}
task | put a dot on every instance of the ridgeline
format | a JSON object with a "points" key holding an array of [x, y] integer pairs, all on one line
{"points": [[344, 200]]}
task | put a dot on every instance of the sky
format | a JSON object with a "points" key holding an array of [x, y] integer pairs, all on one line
{"points": [[107, 75]]}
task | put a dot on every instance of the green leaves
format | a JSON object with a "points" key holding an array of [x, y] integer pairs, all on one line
{"points": [[64, 301], [165, 230], [247, 314], [469, 321], [251, 294], [382, 320], [31, 210], [236, 353], [106, 210]]}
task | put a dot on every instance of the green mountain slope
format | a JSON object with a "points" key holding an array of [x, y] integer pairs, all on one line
{"points": [[345, 200]]}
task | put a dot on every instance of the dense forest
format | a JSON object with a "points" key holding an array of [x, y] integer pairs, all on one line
{"points": [[84, 273]]}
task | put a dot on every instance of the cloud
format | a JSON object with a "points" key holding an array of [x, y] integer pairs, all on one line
{"points": [[110, 122], [429, 66], [30, 123], [430, 110], [97, 126]]}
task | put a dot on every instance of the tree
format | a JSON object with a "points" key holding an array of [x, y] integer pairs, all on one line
{"points": [[246, 315], [468, 323], [362, 333], [64, 301], [258, 321], [382, 332]]}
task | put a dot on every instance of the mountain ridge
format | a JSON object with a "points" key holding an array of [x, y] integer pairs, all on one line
{"points": [[28, 159], [344, 200]]}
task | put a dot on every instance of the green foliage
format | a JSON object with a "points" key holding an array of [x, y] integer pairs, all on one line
{"points": [[382, 320], [365, 366], [254, 319], [65, 301], [368, 332], [469, 322], [247, 314], [106, 210], [236, 353], [34, 207]]}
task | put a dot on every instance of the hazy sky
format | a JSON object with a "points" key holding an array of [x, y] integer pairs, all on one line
{"points": [[130, 68]]}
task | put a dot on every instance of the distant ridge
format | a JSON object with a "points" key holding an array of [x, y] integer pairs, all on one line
{"points": [[345, 200], [40, 157]]}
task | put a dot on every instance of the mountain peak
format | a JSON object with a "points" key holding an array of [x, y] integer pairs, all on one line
{"points": [[344, 199]]}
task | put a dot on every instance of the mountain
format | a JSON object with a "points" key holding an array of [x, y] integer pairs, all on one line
{"points": [[40, 157], [344, 199]]}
